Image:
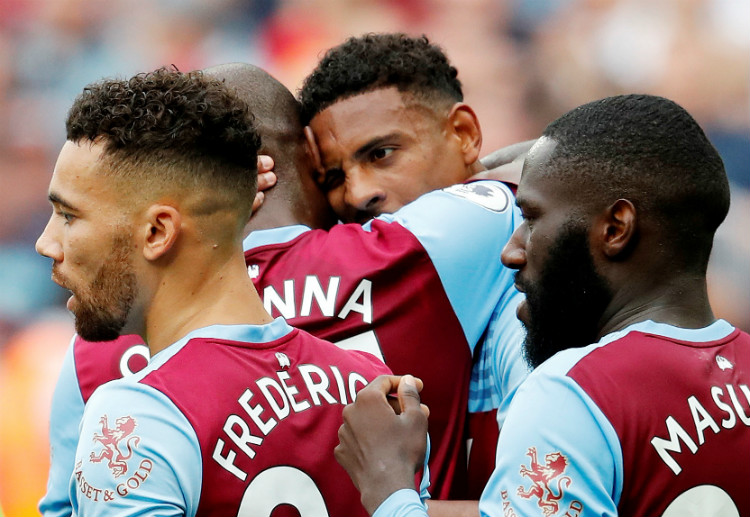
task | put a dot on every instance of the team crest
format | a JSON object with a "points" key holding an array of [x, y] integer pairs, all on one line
{"points": [[545, 480], [112, 440], [253, 270], [485, 194]]}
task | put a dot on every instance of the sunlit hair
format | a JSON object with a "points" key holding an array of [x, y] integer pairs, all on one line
{"points": [[167, 129], [649, 150], [361, 64]]}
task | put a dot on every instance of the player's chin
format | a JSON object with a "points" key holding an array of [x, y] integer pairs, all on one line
{"points": [[522, 311]]}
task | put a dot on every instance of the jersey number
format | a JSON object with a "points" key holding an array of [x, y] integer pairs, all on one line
{"points": [[704, 501], [364, 342], [282, 485]]}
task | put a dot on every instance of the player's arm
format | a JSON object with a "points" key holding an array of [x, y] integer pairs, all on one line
{"points": [[65, 418], [508, 154], [556, 453], [137, 455], [505, 164], [444, 508]]}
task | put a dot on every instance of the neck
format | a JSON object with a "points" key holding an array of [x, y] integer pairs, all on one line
{"points": [[681, 302], [203, 293], [275, 212]]}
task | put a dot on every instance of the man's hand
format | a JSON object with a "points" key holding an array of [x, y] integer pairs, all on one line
{"points": [[266, 179], [507, 154], [382, 441], [505, 164]]}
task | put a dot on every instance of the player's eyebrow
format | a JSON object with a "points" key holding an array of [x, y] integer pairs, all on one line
{"points": [[374, 143], [57, 200]]}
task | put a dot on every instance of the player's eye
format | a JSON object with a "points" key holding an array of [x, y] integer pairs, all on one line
{"points": [[382, 152], [331, 179], [68, 217]]}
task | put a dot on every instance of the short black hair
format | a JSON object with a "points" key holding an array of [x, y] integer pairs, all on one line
{"points": [[649, 150], [373, 61], [174, 128]]}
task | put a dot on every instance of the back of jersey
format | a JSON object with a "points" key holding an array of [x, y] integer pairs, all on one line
{"points": [[682, 421], [266, 416], [416, 289]]}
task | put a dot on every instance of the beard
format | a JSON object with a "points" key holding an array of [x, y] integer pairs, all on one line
{"points": [[567, 302], [104, 305]]}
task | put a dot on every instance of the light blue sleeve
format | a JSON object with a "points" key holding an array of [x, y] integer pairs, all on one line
{"points": [[499, 366], [464, 228], [557, 452], [403, 503], [65, 417], [138, 455]]}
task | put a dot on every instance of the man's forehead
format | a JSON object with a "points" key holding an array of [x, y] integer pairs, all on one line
{"points": [[535, 174], [76, 169]]}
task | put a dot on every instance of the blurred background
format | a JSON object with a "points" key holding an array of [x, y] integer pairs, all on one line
{"points": [[522, 62]]}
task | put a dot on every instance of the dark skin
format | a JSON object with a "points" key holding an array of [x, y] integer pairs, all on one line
{"points": [[626, 245]]}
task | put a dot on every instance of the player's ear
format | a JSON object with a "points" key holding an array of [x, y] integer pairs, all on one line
{"points": [[618, 230], [161, 230], [464, 125], [312, 148]]}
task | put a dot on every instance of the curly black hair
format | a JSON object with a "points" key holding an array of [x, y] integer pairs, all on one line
{"points": [[171, 127], [651, 151], [374, 61]]}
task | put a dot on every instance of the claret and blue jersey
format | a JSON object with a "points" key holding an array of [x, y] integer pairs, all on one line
{"points": [[416, 289], [652, 420]]}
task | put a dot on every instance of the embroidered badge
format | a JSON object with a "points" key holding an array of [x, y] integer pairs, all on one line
{"points": [[112, 439]]}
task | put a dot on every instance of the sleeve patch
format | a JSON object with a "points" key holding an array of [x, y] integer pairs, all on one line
{"points": [[487, 194]]}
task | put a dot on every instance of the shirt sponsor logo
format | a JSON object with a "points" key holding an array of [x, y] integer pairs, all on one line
{"points": [[546, 480], [112, 440], [485, 194]]}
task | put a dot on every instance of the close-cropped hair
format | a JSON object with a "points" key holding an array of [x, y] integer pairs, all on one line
{"points": [[373, 61], [649, 150], [171, 128]]}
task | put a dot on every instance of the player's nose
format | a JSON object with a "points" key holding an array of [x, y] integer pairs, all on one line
{"points": [[364, 194], [47, 245], [514, 251]]}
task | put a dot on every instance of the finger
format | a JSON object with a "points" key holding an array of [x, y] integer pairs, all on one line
{"points": [[383, 385], [265, 163], [266, 180], [259, 196], [408, 393]]}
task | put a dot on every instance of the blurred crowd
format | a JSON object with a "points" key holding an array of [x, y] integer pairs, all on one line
{"points": [[522, 63]]}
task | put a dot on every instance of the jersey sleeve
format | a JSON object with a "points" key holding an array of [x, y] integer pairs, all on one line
{"points": [[65, 418], [137, 455], [463, 228], [556, 453], [499, 367]]}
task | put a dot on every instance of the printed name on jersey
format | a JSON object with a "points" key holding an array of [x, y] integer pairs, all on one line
{"points": [[670, 448], [277, 399], [485, 194], [327, 300], [548, 483]]}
